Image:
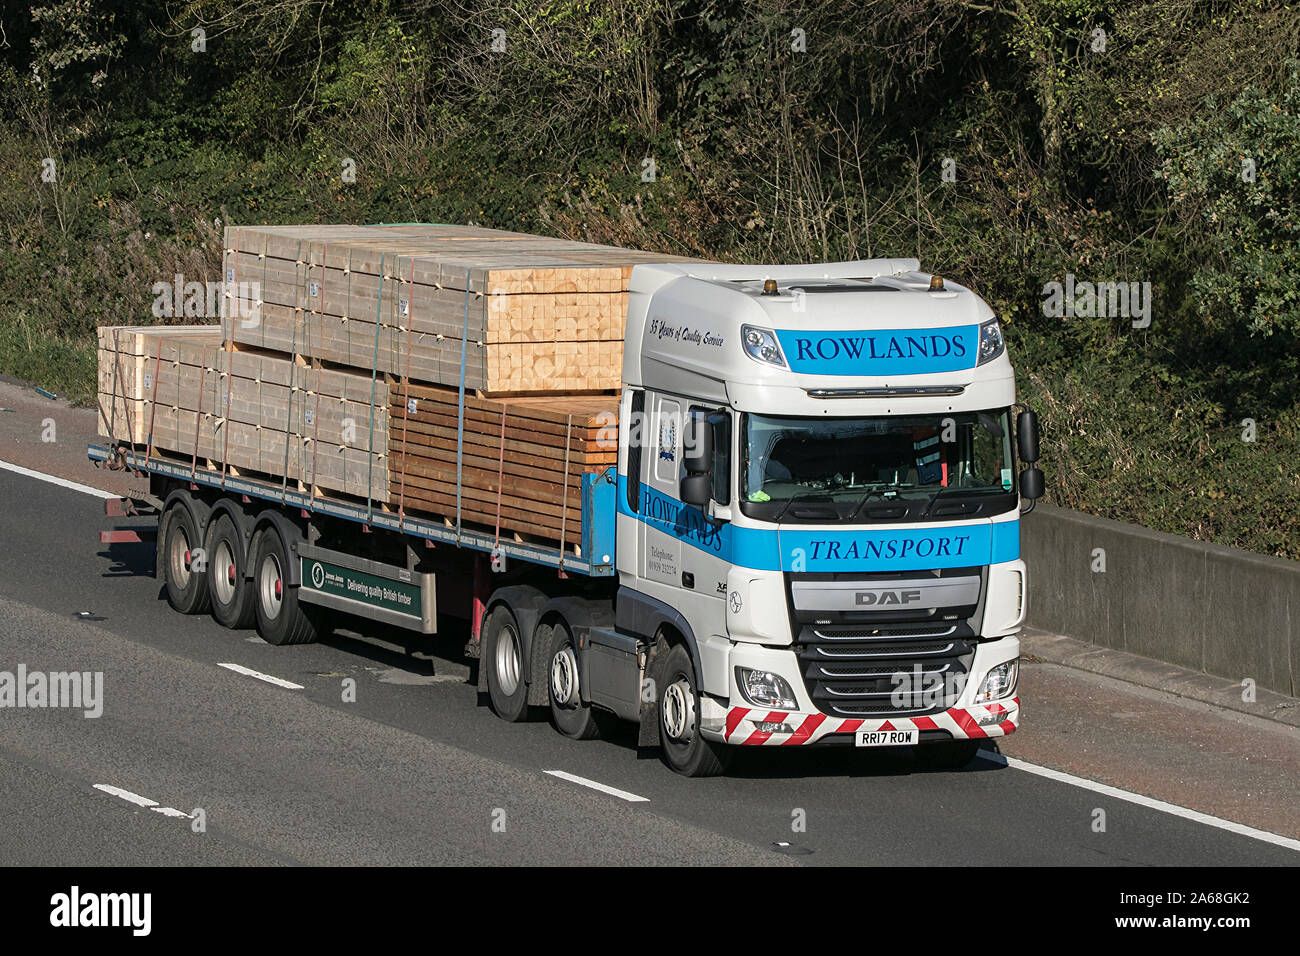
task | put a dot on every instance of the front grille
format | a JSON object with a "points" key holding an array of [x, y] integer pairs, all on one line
{"points": [[854, 671]]}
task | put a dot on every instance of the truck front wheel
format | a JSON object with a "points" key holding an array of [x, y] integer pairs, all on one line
{"points": [[683, 747], [503, 656], [183, 563], [280, 618]]}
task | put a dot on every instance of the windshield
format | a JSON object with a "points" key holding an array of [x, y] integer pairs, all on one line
{"points": [[898, 467]]}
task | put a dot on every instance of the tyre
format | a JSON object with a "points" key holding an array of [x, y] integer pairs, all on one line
{"points": [[503, 656], [184, 573], [569, 714], [683, 747], [229, 592], [280, 619], [947, 754]]}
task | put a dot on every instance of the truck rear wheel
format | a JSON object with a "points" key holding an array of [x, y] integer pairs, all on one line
{"points": [[503, 656], [683, 747], [184, 573], [569, 714], [232, 596], [280, 618]]}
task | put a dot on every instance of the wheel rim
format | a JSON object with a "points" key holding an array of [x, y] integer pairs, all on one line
{"points": [[178, 557], [226, 573], [507, 660], [679, 711], [564, 678], [270, 588]]}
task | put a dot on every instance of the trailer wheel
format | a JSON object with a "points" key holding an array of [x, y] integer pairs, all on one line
{"points": [[232, 596], [569, 714], [280, 618], [503, 656], [184, 573], [947, 754], [683, 747]]}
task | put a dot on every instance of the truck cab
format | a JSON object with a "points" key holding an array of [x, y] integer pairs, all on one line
{"points": [[818, 508]]}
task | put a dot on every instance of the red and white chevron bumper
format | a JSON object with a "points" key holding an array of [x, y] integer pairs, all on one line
{"points": [[743, 724]]}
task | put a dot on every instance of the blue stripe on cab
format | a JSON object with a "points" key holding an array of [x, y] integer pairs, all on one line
{"points": [[793, 548]]}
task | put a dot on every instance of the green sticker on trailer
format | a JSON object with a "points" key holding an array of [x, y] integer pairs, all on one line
{"points": [[368, 589]]}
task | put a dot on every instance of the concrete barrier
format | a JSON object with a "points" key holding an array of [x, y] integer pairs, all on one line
{"points": [[1198, 605]]}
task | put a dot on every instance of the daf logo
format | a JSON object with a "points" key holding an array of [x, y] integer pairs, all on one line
{"points": [[879, 598]]}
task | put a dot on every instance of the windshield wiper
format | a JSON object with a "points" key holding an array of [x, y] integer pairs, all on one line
{"points": [[958, 490], [802, 497], [871, 493]]}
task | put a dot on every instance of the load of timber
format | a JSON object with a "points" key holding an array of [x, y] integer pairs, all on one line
{"points": [[509, 312]]}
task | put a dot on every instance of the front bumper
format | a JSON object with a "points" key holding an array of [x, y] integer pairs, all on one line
{"points": [[732, 719], [974, 722]]}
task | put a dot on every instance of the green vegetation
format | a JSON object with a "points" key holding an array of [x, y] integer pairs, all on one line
{"points": [[1111, 140]]}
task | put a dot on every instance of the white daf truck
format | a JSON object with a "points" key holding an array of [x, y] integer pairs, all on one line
{"points": [[811, 536]]}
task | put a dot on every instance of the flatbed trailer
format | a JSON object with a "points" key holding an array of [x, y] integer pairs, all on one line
{"points": [[383, 565]]}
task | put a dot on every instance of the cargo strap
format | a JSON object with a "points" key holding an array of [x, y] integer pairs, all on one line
{"points": [[460, 410], [374, 371], [153, 403], [119, 377], [406, 394], [564, 501], [198, 416], [289, 430], [315, 434], [501, 460]]}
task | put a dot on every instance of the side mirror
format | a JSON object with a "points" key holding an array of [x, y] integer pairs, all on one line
{"points": [[697, 489], [1031, 483], [1027, 436], [697, 445]]}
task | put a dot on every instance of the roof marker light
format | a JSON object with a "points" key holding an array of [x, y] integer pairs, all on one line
{"points": [[769, 287], [936, 283]]}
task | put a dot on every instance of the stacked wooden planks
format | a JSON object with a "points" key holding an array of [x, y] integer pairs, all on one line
{"points": [[520, 314], [521, 462], [128, 359], [180, 390], [342, 354]]}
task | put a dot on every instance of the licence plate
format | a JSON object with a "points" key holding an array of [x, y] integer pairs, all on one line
{"points": [[886, 738]]}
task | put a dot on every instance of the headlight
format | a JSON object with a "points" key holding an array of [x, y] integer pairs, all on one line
{"points": [[1000, 682], [765, 689], [761, 345], [991, 343]]}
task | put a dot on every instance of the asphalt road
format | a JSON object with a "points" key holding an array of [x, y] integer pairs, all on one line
{"points": [[418, 771]]}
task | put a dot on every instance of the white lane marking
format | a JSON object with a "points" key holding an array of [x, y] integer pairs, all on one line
{"points": [[55, 480], [286, 684], [140, 801], [612, 791], [1149, 802], [126, 795], [170, 812]]}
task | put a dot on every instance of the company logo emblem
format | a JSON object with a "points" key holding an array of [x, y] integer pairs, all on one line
{"points": [[668, 441], [317, 576], [735, 602], [881, 598]]}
